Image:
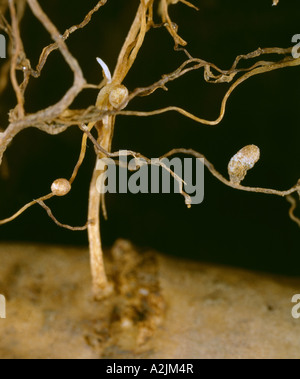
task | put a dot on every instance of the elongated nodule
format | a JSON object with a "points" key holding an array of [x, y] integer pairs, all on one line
{"points": [[243, 161]]}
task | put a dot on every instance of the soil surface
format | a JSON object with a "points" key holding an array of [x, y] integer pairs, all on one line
{"points": [[161, 308]]}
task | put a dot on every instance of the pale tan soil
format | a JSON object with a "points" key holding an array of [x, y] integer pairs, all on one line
{"points": [[162, 308]]}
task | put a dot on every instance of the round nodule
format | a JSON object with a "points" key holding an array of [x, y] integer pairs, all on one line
{"points": [[61, 187], [118, 96]]}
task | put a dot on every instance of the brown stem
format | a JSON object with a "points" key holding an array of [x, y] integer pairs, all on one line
{"points": [[101, 286], [105, 129], [100, 283], [133, 43]]}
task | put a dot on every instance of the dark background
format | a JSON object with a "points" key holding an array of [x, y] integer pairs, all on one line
{"points": [[230, 227]]}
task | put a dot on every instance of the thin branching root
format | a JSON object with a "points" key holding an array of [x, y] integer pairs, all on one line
{"points": [[114, 99], [291, 199], [293, 203]]}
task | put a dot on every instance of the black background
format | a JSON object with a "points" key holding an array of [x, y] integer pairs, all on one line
{"points": [[230, 227]]}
